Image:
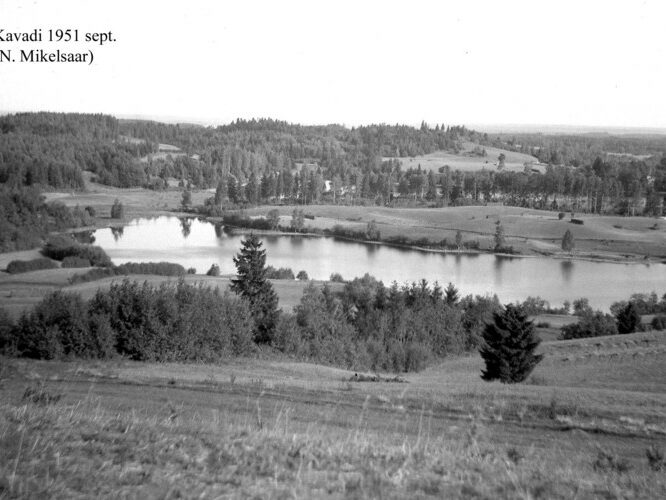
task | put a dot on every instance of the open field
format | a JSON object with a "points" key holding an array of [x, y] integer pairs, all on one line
{"points": [[531, 232], [467, 162], [275, 428], [20, 292]]}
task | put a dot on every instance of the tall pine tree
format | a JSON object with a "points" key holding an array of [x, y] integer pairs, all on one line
{"points": [[251, 284], [510, 341]]}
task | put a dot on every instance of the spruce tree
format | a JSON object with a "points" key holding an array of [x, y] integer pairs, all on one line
{"points": [[251, 284], [628, 319], [508, 351], [451, 294]]}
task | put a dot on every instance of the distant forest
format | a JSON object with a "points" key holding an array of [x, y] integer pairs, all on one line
{"points": [[269, 161]]}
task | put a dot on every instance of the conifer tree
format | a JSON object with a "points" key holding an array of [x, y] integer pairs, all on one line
{"points": [[509, 344], [451, 296], [251, 284], [628, 319]]}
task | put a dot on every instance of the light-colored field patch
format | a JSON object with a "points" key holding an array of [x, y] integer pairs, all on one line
{"points": [[468, 162]]}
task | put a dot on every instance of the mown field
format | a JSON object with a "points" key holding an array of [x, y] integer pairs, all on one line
{"points": [[465, 161], [277, 428], [531, 232]]}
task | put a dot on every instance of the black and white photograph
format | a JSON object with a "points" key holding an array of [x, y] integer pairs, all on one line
{"points": [[324, 249]]}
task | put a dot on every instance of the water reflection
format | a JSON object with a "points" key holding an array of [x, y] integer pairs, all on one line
{"points": [[186, 227], [117, 232], [566, 267], [198, 244]]}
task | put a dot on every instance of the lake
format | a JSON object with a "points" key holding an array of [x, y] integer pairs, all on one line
{"points": [[199, 244]]}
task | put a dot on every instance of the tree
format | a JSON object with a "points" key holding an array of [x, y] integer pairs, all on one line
{"points": [[509, 344], [213, 271], [568, 243], [372, 231], [501, 159], [117, 210], [628, 319], [186, 201], [451, 295], [273, 218], [297, 220], [459, 239], [499, 236], [251, 284], [302, 276], [222, 192]]}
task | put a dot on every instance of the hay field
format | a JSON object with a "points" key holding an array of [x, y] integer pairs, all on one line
{"points": [[467, 162], [535, 232], [579, 428]]}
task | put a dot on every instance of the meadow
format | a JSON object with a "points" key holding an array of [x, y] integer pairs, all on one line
{"points": [[466, 161], [588, 423]]}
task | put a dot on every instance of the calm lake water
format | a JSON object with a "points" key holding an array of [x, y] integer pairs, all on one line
{"points": [[193, 243]]}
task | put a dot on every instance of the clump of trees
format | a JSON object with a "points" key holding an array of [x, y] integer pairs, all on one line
{"points": [[509, 344], [369, 326], [59, 247], [172, 322]]}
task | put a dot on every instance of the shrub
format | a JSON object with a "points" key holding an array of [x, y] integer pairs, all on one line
{"points": [[156, 268], [284, 273], [595, 324], [659, 322], [74, 261], [561, 215], [57, 327], [24, 266], [93, 275], [191, 270], [509, 347], [117, 210], [91, 211], [336, 278], [213, 271], [61, 246]]}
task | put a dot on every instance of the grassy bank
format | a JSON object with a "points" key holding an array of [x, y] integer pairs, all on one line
{"points": [[579, 428]]}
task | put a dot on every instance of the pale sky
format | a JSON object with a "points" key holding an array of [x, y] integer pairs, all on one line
{"points": [[598, 63]]}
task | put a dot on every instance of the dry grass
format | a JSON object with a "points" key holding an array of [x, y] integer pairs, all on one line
{"points": [[284, 429]]}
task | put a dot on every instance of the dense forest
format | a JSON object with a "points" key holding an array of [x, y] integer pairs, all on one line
{"points": [[267, 161]]}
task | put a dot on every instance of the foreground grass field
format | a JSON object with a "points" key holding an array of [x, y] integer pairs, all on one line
{"points": [[275, 428]]}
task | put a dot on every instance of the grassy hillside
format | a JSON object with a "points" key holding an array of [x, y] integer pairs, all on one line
{"points": [[579, 428]]}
